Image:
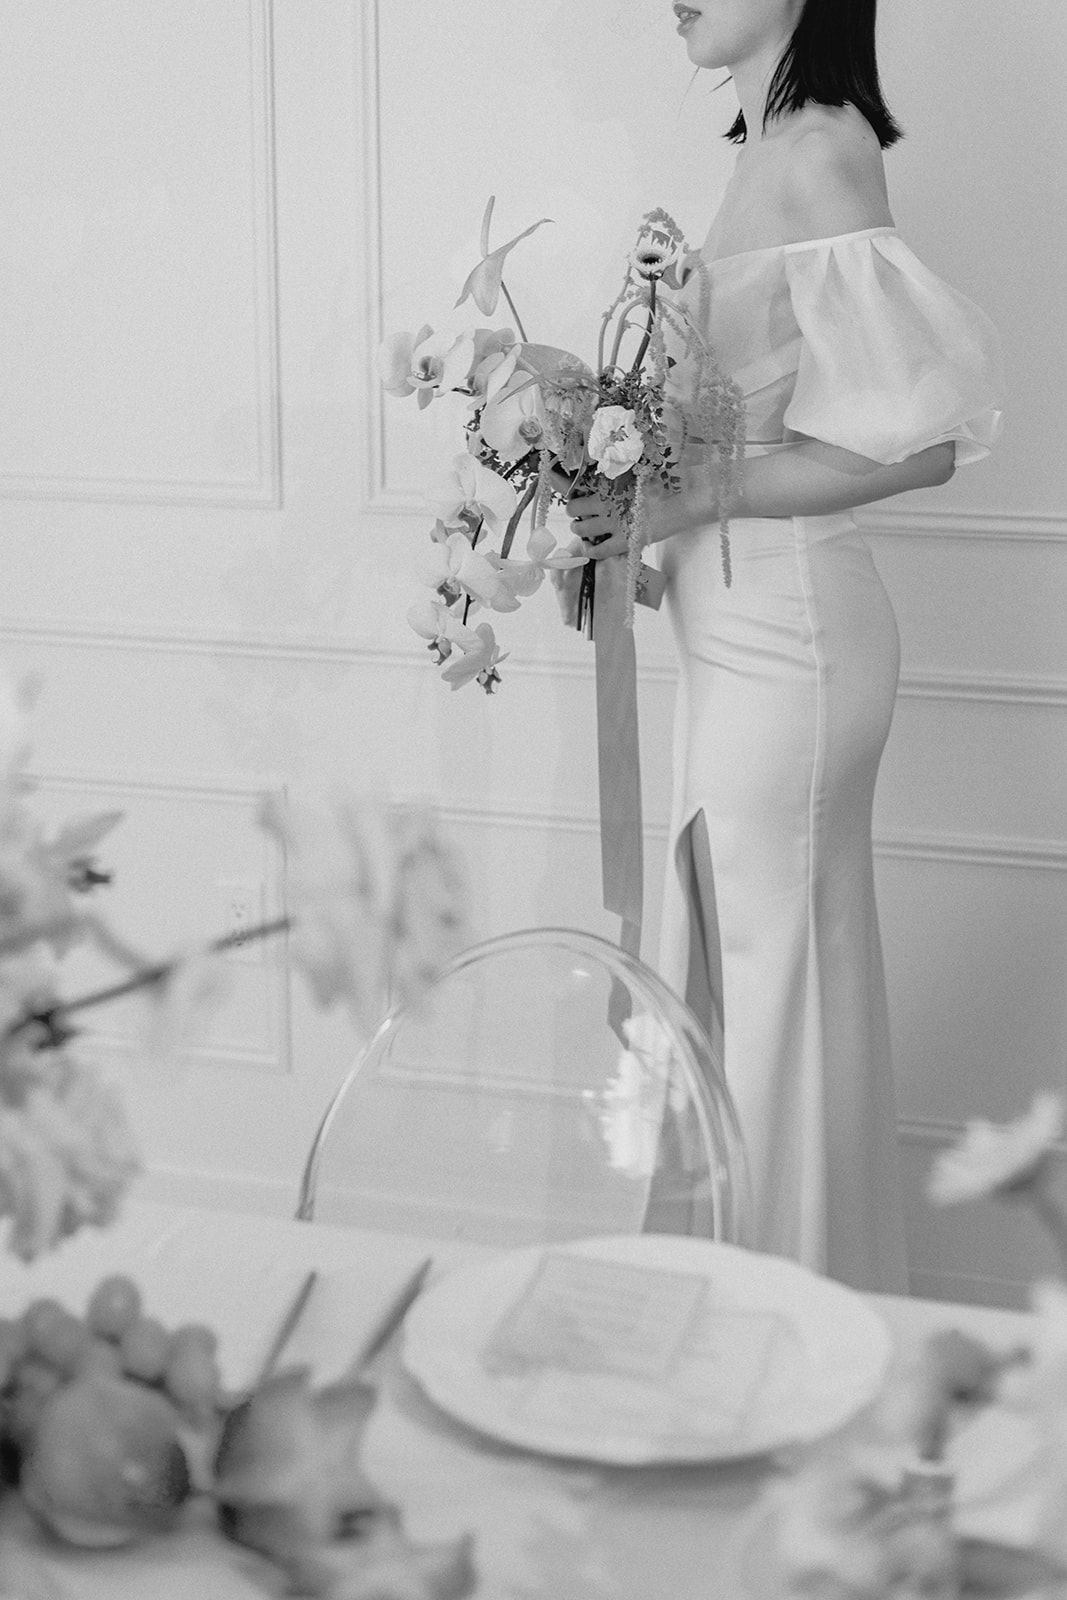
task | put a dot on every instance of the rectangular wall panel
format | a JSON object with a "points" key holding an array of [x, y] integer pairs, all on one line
{"points": [[174, 855], [137, 268]]}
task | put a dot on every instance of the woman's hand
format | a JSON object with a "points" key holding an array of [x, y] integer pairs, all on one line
{"points": [[596, 522], [693, 506]]}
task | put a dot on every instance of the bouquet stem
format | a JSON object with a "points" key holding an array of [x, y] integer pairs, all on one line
{"points": [[516, 518], [514, 313], [651, 325], [586, 596]]}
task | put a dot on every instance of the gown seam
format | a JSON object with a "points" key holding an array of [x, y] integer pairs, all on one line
{"points": [[818, 756]]}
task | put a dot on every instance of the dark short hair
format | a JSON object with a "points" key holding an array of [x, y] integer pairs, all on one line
{"points": [[830, 60]]}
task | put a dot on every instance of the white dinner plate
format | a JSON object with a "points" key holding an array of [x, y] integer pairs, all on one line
{"points": [[817, 1353]]}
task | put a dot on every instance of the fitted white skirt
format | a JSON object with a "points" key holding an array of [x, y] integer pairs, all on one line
{"points": [[785, 699]]}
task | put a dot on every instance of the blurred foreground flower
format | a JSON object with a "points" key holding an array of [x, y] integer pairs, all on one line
{"points": [[290, 1484], [66, 1151], [1012, 1161], [994, 1159], [377, 899], [855, 1526]]}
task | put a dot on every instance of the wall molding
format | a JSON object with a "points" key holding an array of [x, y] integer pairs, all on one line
{"points": [[379, 498], [985, 688], [238, 790], [111, 1050], [1037, 527], [265, 489], [973, 850], [1048, 693]]}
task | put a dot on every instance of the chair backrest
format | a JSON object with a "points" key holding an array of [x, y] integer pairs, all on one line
{"points": [[550, 1087]]}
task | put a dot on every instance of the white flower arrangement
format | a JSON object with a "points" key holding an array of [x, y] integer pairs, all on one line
{"points": [[544, 424]]}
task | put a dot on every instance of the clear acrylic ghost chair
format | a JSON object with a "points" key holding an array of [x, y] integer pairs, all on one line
{"points": [[549, 1088]]}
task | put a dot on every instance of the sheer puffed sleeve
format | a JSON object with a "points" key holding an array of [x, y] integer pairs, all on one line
{"points": [[892, 360]]}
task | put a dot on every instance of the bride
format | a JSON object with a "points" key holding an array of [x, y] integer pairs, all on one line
{"points": [[864, 376]]}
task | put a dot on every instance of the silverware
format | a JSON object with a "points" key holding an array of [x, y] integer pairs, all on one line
{"points": [[390, 1319], [286, 1329]]}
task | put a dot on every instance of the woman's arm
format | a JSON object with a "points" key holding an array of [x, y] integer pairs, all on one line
{"points": [[809, 479]]}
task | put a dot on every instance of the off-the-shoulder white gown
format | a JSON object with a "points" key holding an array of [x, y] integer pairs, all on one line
{"points": [[785, 698]]}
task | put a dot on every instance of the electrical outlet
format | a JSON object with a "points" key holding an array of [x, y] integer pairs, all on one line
{"points": [[241, 908]]}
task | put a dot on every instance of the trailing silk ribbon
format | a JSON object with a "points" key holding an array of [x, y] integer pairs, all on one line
{"points": [[618, 754]]}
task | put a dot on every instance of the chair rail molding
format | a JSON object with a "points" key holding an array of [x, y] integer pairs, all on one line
{"points": [[1038, 527]]}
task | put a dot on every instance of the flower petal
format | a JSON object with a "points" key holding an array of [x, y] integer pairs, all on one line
{"points": [[483, 284]]}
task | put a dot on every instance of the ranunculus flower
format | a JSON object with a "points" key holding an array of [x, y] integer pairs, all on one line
{"points": [[993, 1159], [484, 283], [515, 422], [427, 362], [615, 441], [471, 493], [479, 661]]}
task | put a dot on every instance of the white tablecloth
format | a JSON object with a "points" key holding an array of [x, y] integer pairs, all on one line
{"points": [[543, 1530]]}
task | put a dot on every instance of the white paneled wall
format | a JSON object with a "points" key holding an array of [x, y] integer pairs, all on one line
{"points": [[210, 211]]}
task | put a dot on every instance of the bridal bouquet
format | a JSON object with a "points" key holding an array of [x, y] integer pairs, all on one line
{"points": [[544, 425]]}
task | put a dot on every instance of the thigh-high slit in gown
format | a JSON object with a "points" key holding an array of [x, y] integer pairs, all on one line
{"points": [[785, 698]]}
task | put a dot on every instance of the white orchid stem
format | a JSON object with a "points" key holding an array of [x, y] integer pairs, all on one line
{"points": [[514, 313], [516, 518], [144, 978], [470, 598]]}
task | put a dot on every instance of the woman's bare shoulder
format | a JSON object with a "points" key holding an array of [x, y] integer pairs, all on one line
{"points": [[833, 176]]}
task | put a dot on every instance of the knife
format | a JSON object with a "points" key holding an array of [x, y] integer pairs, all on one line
{"points": [[391, 1318]]}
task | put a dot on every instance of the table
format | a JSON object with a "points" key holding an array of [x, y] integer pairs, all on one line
{"points": [[543, 1530]]}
